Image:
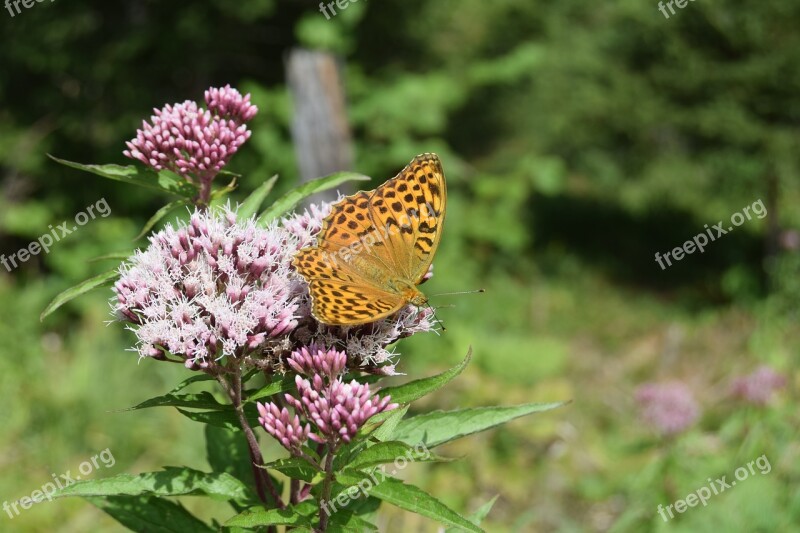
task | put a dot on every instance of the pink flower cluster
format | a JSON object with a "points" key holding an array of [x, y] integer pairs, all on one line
{"points": [[214, 287], [334, 409], [669, 408], [229, 103], [759, 387], [193, 142]]}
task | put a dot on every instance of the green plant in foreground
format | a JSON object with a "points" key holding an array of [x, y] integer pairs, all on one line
{"points": [[218, 294]]}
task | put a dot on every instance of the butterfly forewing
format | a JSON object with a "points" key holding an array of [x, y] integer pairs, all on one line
{"points": [[410, 209]]}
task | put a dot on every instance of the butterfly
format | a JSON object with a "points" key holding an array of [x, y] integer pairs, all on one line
{"points": [[376, 246]]}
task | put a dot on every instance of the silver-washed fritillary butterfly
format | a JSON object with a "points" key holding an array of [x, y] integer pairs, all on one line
{"points": [[376, 246]]}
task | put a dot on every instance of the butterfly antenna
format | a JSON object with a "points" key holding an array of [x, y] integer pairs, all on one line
{"points": [[461, 292], [436, 318]]}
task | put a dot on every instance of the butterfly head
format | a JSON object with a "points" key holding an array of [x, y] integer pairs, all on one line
{"points": [[415, 296]]}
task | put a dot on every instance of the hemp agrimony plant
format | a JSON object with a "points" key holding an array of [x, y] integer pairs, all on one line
{"points": [[219, 295]]}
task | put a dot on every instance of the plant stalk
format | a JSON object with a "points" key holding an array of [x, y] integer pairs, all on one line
{"points": [[326, 490]]}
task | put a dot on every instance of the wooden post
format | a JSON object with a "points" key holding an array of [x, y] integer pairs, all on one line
{"points": [[320, 130]]}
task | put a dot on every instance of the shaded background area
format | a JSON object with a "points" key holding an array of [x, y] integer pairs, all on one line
{"points": [[579, 139]]}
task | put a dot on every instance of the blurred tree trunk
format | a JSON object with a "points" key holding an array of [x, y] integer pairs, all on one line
{"points": [[320, 129]]}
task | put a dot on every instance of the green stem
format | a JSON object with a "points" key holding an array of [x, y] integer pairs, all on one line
{"points": [[327, 485], [261, 476]]}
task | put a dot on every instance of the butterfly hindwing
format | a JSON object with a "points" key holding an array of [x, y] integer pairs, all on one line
{"points": [[341, 296]]}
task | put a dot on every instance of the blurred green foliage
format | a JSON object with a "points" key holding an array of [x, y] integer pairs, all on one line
{"points": [[578, 138]]}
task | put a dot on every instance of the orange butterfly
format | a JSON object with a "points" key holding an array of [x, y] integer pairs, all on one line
{"points": [[375, 247]]}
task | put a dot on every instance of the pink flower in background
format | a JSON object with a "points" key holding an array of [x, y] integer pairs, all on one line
{"points": [[669, 408], [335, 409], [193, 142], [758, 387]]}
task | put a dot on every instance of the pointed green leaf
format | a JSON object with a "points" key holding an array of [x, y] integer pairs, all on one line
{"points": [[202, 400], [218, 195], [224, 418], [149, 514], [227, 451], [81, 288], [276, 386], [410, 498], [161, 213], [164, 181], [349, 522], [438, 427], [197, 378], [288, 201], [116, 256], [298, 515], [389, 452], [252, 203], [295, 468], [478, 516], [386, 423], [171, 481], [415, 390]]}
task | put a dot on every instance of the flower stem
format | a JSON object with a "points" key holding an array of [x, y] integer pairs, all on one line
{"points": [[326, 490], [261, 476]]}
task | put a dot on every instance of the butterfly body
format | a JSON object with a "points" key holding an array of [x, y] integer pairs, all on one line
{"points": [[376, 246]]}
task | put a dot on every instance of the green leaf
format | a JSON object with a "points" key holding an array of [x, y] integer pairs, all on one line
{"points": [[410, 498], [218, 195], [388, 425], [223, 418], [388, 452], [117, 256], [415, 390], [252, 203], [349, 522], [295, 468], [149, 514], [161, 213], [478, 516], [297, 515], [276, 386], [288, 201], [439, 427], [197, 378], [172, 481], [81, 288], [227, 451], [202, 400], [164, 181]]}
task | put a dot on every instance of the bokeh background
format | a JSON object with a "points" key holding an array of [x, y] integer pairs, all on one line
{"points": [[578, 138]]}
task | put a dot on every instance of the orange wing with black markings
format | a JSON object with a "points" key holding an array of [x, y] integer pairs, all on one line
{"points": [[375, 247]]}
